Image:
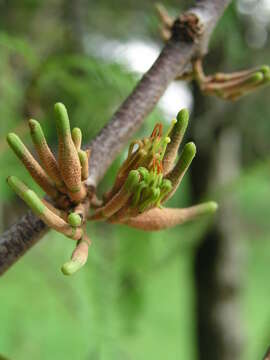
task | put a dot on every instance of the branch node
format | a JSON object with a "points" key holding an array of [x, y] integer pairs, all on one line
{"points": [[188, 28]]}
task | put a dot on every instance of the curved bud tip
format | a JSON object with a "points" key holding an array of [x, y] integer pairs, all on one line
{"points": [[256, 77], [76, 135], [71, 267], [17, 185], [16, 144], [62, 120], [183, 117], [211, 207], [83, 157], [74, 219], [189, 150], [36, 131], [178, 127]]}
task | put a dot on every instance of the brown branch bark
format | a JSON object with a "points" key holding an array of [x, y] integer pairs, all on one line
{"points": [[190, 37]]}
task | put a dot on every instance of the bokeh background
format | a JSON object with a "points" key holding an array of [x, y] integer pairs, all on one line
{"points": [[199, 291]]}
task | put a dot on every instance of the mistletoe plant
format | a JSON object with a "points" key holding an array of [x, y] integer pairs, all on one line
{"points": [[145, 181]]}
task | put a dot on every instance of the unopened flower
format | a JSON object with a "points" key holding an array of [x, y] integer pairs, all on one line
{"points": [[148, 178], [62, 180]]}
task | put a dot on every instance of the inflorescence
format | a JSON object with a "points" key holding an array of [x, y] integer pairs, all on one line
{"points": [[146, 180]]}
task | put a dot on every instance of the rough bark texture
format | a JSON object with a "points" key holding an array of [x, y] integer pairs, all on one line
{"points": [[19, 238], [172, 61]]}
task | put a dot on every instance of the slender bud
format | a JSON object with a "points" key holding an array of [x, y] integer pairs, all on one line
{"points": [[27, 195], [159, 219], [245, 86], [76, 135], [178, 172], [46, 156], [42, 211], [69, 163], [235, 88], [78, 258], [84, 163], [120, 198], [176, 135], [33, 167]]}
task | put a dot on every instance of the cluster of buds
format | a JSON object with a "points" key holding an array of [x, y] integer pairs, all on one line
{"points": [[230, 86], [62, 180], [147, 179]]}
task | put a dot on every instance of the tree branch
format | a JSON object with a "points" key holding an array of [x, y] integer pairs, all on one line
{"points": [[190, 37]]}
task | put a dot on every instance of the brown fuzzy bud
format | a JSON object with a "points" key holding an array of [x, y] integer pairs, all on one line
{"points": [[33, 167], [78, 258], [158, 219], [69, 162], [46, 156]]}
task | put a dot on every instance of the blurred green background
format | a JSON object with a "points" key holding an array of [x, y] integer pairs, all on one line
{"points": [[167, 295]]}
